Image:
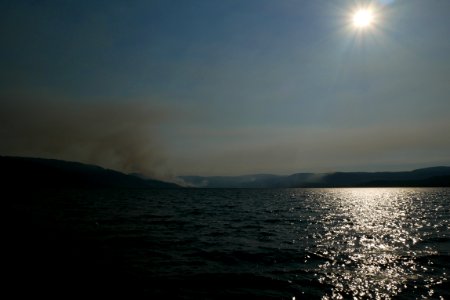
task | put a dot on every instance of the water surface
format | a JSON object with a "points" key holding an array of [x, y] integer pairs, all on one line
{"points": [[240, 243]]}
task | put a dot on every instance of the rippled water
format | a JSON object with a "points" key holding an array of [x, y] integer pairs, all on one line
{"points": [[377, 242], [258, 244]]}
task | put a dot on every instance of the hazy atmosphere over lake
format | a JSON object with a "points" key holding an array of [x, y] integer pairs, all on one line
{"points": [[210, 87], [225, 149]]}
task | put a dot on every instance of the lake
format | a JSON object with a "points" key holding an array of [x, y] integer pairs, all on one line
{"points": [[355, 243]]}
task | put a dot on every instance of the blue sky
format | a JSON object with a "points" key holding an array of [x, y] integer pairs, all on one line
{"points": [[226, 87]]}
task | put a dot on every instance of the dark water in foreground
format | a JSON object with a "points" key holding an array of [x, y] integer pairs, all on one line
{"points": [[231, 244]]}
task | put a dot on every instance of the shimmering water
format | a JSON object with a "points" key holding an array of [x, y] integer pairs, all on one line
{"points": [[250, 244]]}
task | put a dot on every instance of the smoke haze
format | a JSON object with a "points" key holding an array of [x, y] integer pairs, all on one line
{"points": [[117, 136]]}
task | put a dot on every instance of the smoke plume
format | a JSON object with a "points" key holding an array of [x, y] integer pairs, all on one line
{"points": [[118, 136]]}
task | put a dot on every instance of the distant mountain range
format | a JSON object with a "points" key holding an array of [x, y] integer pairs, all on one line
{"points": [[427, 177], [25, 172]]}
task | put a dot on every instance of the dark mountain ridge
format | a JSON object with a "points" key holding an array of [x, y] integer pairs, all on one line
{"points": [[426, 177], [48, 173]]}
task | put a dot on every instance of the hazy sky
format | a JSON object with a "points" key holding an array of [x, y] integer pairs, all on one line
{"points": [[226, 87]]}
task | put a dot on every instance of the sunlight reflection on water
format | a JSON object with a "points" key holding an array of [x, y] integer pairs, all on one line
{"points": [[367, 239]]}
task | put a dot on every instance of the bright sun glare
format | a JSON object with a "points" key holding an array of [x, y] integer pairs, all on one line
{"points": [[363, 18]]}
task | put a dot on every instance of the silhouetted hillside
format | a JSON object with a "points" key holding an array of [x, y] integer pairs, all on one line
{"points": [[428, 177], [37, 172], [435, 181], [44, 173]]}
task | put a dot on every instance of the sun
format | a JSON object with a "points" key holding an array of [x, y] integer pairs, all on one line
{"points": [[363, 18]]}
